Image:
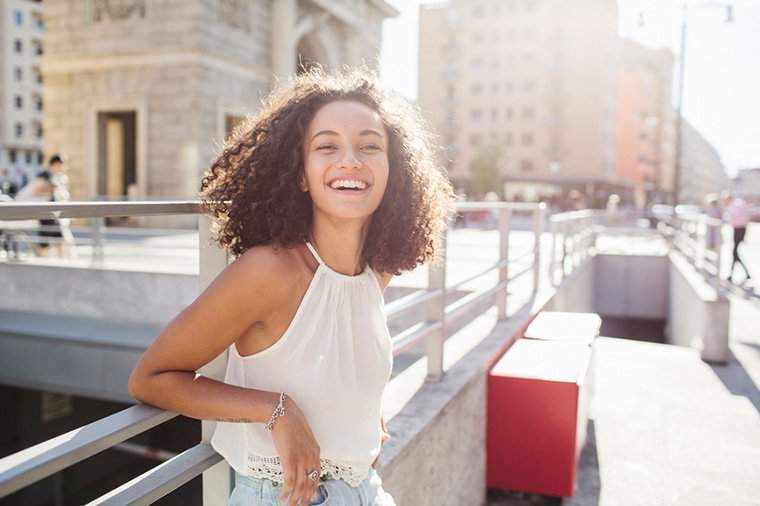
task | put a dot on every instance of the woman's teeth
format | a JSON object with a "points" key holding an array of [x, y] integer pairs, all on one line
{"points": [[348, 184]]}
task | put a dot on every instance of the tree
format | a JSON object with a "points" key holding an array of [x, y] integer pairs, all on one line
{"points": [[484, 171]]}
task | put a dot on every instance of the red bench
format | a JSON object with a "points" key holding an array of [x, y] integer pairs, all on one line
{"points": [[538, 400]]}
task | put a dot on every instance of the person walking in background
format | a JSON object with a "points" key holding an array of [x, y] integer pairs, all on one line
{"points": [[736, 214], [51, 185]]}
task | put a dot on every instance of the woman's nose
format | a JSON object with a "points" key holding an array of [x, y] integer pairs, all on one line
{"points": [[349, 159]]}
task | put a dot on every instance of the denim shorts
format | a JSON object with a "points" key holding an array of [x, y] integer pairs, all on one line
{"points": [[251, 491]]}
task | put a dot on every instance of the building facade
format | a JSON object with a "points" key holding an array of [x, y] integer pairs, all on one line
{"points": [[140, 94], [746, 185], [646, 123], [702, 170], [538, 87], [21, 103]]}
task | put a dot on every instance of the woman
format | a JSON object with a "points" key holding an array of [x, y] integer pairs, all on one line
{"points": [[323, 196]]}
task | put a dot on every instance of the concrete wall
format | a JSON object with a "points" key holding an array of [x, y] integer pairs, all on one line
{"points": [[631, 286], [122, 296], [699, 315], [576, 292]]}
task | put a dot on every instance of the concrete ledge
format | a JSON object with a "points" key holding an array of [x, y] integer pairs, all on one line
{"points": [[436, 454], [698, 315]]}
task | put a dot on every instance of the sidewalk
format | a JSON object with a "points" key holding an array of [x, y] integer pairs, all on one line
{"points": [[669, 429]]}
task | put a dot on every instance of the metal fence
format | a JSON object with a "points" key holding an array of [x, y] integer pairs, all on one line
{"points": [[35, 463]]}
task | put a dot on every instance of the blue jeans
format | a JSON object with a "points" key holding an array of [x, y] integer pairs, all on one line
{"points": [[251, 491]]}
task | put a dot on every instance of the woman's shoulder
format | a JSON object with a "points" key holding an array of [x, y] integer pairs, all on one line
{"points": [[269, 263]]}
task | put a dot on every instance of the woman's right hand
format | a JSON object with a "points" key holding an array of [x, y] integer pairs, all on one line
{"points": [[299, 455]]}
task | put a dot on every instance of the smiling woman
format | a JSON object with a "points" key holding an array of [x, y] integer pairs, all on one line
{"points": [[323, 196]]}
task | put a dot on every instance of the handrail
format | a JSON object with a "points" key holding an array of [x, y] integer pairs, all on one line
{"points": [[39, 461], [162, 479], [73, 209]]}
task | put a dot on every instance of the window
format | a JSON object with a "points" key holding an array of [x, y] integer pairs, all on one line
{"points": [[19, 101], [38, 130], [19, 130], [19, 17], [37, 74], [528, 112], [526, 166], [495, 88], [476, 89], [509, 87], [508, 113], [37, 103], [28, 156], [18, 46], [38, 22], [508, 139], [475, 141], [494, 113], [37, 47], [527, 139], [476, 114], [477, 63], [39, 157], [12, 155], [529, 86], [477, 11], [19, 73]]}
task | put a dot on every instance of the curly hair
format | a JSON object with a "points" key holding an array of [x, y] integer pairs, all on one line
{"points": [[252, 188]]}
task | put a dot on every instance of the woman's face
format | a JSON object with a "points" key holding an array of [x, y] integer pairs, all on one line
{"points": [[346, 160]]}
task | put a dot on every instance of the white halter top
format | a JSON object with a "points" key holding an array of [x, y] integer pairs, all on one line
{"points": [[334, 361]]}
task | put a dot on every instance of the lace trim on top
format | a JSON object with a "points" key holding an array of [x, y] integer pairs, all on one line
{"points": [[269, 468]]}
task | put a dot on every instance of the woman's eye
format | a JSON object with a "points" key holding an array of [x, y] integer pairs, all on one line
{"points": [[325, 147], [371, 147]]}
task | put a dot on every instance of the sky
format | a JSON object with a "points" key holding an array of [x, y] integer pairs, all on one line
{"points": [[722, 79]]}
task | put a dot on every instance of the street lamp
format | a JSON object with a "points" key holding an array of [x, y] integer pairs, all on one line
{"points": [[681, 79]]}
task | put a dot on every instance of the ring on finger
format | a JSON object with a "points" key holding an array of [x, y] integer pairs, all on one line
{"points": [[313, 475]]}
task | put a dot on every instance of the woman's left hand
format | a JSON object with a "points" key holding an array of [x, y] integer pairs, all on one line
{"points": [[384, 436]]}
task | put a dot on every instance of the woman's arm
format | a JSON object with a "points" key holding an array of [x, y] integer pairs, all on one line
{"points": [[165, 375]]}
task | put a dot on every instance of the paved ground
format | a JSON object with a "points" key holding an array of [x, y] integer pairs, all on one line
{"points": [[669, 429]]}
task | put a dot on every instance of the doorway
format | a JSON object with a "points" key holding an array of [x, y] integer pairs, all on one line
{"points": [[117, 155]]}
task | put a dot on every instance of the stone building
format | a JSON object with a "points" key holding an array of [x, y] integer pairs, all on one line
{"points": [[21, 105], [139, 94], [702, 170], [534, 79], [746, 185], [646, 123]]}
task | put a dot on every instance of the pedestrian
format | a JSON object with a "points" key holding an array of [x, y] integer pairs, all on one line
{"points": [[8, 186], [321, 198], [51, 185], [736, 214]]}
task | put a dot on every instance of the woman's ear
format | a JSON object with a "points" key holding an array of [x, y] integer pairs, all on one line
{"points": [[302, 184]]}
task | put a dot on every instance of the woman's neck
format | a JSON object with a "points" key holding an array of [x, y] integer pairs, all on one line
{"points": [[340, 243]]}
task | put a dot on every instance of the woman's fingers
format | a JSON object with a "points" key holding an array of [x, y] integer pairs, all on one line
{"points": [[300, 497], [289, 484]]}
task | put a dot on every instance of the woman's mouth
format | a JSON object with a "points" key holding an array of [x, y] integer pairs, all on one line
{"points": [[349, 186]]}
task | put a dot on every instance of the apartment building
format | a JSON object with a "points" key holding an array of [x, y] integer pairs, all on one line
{"points": [[702, 170], [646, 123], [534, 79], [21, 98]]}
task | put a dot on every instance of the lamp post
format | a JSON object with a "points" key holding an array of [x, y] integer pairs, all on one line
{"points": [[681, 79]]}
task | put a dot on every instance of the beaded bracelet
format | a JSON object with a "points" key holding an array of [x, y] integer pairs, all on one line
{"points": [[278, 412]]}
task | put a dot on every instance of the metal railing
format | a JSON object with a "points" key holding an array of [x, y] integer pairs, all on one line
{"points": [[573, 235], [37, 462], [700, 239]]}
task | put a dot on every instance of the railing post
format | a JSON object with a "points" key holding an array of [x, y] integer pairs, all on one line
{"points": [[98, 227], [553, 258], [718, 254], [436, 312], [538, 228], [505, 215], [217, 480]]}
